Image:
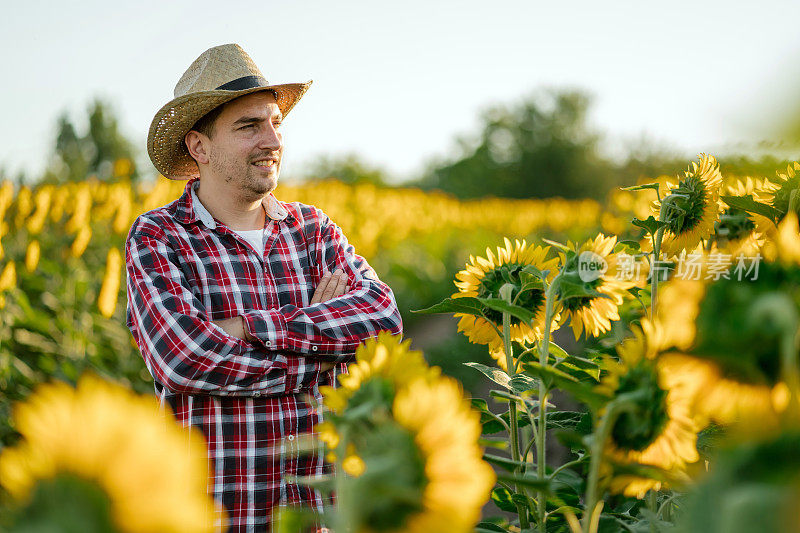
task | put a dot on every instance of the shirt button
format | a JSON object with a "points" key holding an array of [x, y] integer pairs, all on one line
{"points": [[268, 343], [257, 394], [313, 348], [291, 437]]}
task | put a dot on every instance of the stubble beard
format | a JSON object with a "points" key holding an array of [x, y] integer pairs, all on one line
{"points": [[251, 182]]}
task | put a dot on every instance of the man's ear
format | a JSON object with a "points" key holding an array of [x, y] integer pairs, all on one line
{"points": [[197, 144]]}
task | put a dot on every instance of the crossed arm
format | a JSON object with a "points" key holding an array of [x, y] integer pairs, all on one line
{"points": [[188, 353], [330, 286]]}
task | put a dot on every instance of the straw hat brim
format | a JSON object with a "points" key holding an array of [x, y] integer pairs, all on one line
{"points": [[165, 139]]}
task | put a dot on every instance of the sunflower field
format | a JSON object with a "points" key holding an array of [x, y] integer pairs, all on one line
{"points": [[641, 367]]}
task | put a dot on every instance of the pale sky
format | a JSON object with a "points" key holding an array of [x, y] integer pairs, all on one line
{"points": [[396, 82]]}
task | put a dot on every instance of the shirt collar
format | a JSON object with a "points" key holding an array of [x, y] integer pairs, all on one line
{"points": [[189, 208]]}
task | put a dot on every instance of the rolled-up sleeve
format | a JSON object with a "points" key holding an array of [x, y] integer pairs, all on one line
{"points": [[184, 351], [332, 329]]}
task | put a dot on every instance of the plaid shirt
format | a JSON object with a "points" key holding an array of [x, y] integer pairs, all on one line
{"points": [[185, 269]]}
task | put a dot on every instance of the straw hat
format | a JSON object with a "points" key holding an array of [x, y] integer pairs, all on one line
{"points": [[219, 75]]}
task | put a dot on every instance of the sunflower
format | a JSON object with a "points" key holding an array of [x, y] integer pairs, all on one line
{"points": [[483, 278], [588, 313], [694, 206], [446, 431], [385, 358], [731, 333], [779, 191], [153, 472], [660, 430], [739, 231]]}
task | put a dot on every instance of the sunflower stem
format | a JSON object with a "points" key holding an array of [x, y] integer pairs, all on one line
{"points": [[662, 214], [343, 517], [613, 410], [505, 293], [541, 427]]}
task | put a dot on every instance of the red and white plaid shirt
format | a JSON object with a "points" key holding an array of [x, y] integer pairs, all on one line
{"points": [[186, 269]]}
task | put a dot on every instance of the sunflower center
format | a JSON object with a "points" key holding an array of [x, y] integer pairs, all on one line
{"points": [[639, 428], [530, 298], [685, 209]]}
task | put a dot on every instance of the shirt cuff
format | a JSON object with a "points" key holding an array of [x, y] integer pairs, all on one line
{"points": [[267, 327]]}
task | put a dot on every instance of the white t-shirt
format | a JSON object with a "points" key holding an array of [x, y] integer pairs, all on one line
{"points": [[254, 237]]}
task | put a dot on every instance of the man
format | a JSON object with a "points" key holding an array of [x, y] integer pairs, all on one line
{"points": [[242, 304]]}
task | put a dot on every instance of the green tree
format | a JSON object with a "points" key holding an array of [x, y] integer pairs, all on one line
{"points": [[539, 148], [348, 168], [102, 150]]}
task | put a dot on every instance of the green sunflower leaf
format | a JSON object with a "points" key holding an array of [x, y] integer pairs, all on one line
{"points": [[467, 305], [627, 243], [650, 224], [563, 419], [499, 444], [525, 315], [576, 288], [558, 245], [501, 497], [532, 482], [583, 392], [504, 462], [488, 527], [495, 374], [580, 368], [653, 186], [747, 203]]}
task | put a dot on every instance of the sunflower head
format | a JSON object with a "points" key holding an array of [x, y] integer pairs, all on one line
{"points": [[591, 288], [738, 230], [735, 332], [691, 206], [445, 431], [483, 278], [656, 428], [385, 358], [636, 374], [416, 467], [783, 189], [101, 435]]}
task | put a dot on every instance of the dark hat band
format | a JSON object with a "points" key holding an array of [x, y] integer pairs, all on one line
{"points": [[246, 82]]}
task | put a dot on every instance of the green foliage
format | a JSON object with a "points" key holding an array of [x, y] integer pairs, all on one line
{"points": [[67, 504], [348, 168], [537, 149], [92, 152]]}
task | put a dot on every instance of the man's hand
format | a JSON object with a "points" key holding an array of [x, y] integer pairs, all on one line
{"points": [[330, 286]]}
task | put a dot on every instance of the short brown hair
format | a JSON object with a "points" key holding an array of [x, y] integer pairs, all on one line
{"points": [[206, 123]]}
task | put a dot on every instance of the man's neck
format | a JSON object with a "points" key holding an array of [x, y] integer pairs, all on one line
{"points": [[230, 209]]}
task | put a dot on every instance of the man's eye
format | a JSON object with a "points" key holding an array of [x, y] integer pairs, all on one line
{"points": [[277, 124], [248, 126]]}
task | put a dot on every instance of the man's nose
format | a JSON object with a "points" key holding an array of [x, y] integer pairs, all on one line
{"points": [[270, 138]]}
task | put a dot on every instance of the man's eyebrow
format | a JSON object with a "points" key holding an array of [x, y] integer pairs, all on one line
{"points": [[256, 120]]}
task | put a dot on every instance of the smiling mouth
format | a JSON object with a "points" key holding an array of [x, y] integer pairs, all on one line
{"points": [[267, 164]]}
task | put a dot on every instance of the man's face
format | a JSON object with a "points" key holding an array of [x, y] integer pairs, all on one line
{"points": [[246, 148]]}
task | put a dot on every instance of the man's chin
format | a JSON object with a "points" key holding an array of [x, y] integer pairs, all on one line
{"points": [[263, 185]]}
